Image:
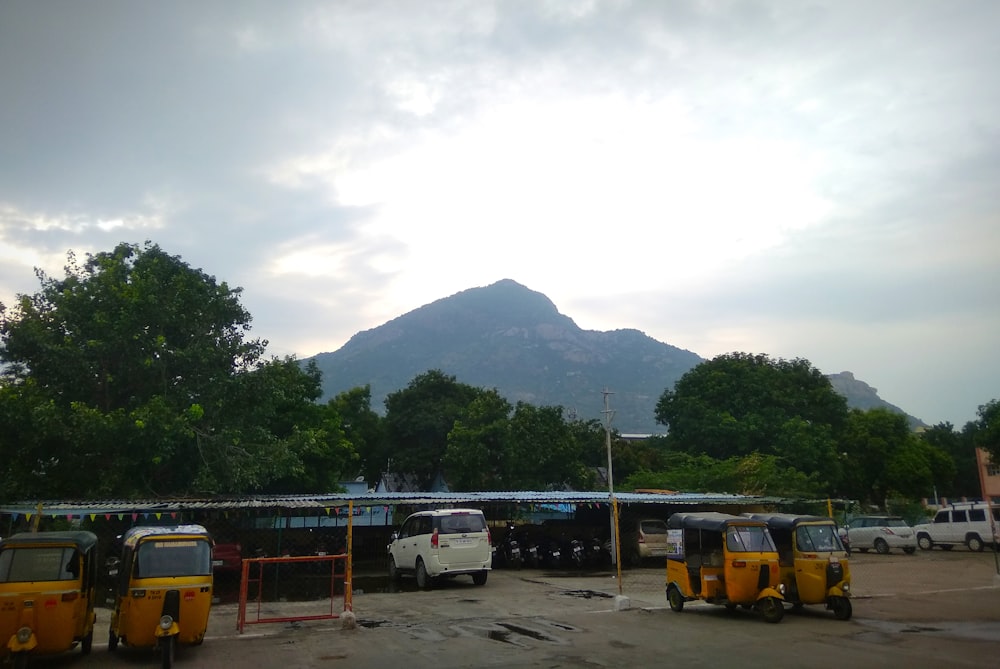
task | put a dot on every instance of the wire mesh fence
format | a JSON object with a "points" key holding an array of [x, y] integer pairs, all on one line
{"points": [[550, 538]]}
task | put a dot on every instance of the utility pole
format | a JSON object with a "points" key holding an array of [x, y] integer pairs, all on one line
{"points": [[608, 416]]}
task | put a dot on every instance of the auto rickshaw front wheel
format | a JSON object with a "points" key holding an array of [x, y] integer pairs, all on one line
{"points": [[168, 645], [841, 607], [771, 609], [87, 643], [675, 598]]}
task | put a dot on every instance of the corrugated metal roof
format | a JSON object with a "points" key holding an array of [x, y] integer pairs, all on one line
{"points": [[306, 502]]}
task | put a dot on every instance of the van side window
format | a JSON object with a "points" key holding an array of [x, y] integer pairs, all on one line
{"points": [[977, 514], [941, 517], [959, 516]]}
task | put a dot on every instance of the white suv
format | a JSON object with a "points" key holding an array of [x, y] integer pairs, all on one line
{"points": [[959, 524], [445, 542]]}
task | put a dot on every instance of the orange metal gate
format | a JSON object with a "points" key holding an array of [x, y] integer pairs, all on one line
{"points": [[253, 573]]}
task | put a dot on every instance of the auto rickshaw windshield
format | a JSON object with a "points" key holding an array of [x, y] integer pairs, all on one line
{"points": [[818, 538], [749, 539], [167, 558], [42, 563]]}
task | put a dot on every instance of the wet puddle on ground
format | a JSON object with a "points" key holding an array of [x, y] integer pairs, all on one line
{"points": [[586, 594], [985, 631]]}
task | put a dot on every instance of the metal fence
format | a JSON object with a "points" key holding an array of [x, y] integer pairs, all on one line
{"points": [[582, 539]]}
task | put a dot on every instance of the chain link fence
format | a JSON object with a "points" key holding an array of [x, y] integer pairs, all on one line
{"points": [[575, 540]]}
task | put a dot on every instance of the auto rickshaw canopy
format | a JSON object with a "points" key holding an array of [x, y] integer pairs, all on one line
{"points": [[709, 520], [135, 534], [81, 539], [788, 521]]}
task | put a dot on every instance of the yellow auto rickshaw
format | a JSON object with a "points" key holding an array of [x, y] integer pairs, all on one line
{"points": [[47, 586], [164, 590], [812, 559], [723, 559]]}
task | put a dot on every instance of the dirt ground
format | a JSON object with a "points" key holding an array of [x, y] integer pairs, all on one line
{"points": [[931, 609]]}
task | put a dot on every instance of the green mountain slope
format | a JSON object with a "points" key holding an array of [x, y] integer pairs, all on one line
{"points": [[511, 338]]}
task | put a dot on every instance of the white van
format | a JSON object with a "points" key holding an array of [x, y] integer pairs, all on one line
{"points": [[964, 524], [445, 542]]}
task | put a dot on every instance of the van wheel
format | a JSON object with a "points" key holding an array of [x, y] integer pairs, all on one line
{"points": [[479, 578], [393, 572], [881, 547], [974, 543], [842, 608], [925, 542], [675, 598], [771, 609], [112, 641], [423, 580]]}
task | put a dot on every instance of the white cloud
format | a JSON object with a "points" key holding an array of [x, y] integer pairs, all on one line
{"points": [[775, 177]]}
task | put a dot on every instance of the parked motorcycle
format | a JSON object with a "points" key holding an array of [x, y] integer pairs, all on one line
{"points": [[550, 553], [575, 557], [530, 553], [595, 554], [509, 551]]}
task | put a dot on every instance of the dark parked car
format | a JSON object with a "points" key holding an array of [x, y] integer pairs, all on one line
{"points": [[227, 557]]}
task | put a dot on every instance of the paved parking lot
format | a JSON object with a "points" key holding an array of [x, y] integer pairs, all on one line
{"points": [[927, 610]]}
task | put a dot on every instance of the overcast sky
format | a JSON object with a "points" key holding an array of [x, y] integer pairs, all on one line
{"points": [[803, 179]]}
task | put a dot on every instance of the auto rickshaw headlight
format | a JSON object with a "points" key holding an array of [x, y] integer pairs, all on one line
{"points": [[781, 589], [847, 588], [24, 635], [166, 622]]}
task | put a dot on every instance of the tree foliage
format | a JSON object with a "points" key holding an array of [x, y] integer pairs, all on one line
{"points": [[884, 458], [418, 419], [986, 429], [754, 474], [136, 367], [739, 404], [960, 448], [364, 429], [479, 450]]}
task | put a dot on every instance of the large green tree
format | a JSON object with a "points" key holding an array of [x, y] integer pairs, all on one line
{"points": [[884, 458], [960, 447], [986, 429], [478, 456], [739, 404], [364, 429], [545, 452], [133, 376], [418, 419]]}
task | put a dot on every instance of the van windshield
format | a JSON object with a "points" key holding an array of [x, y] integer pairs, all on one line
{"points": [[162, 558], [749, 539]]}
